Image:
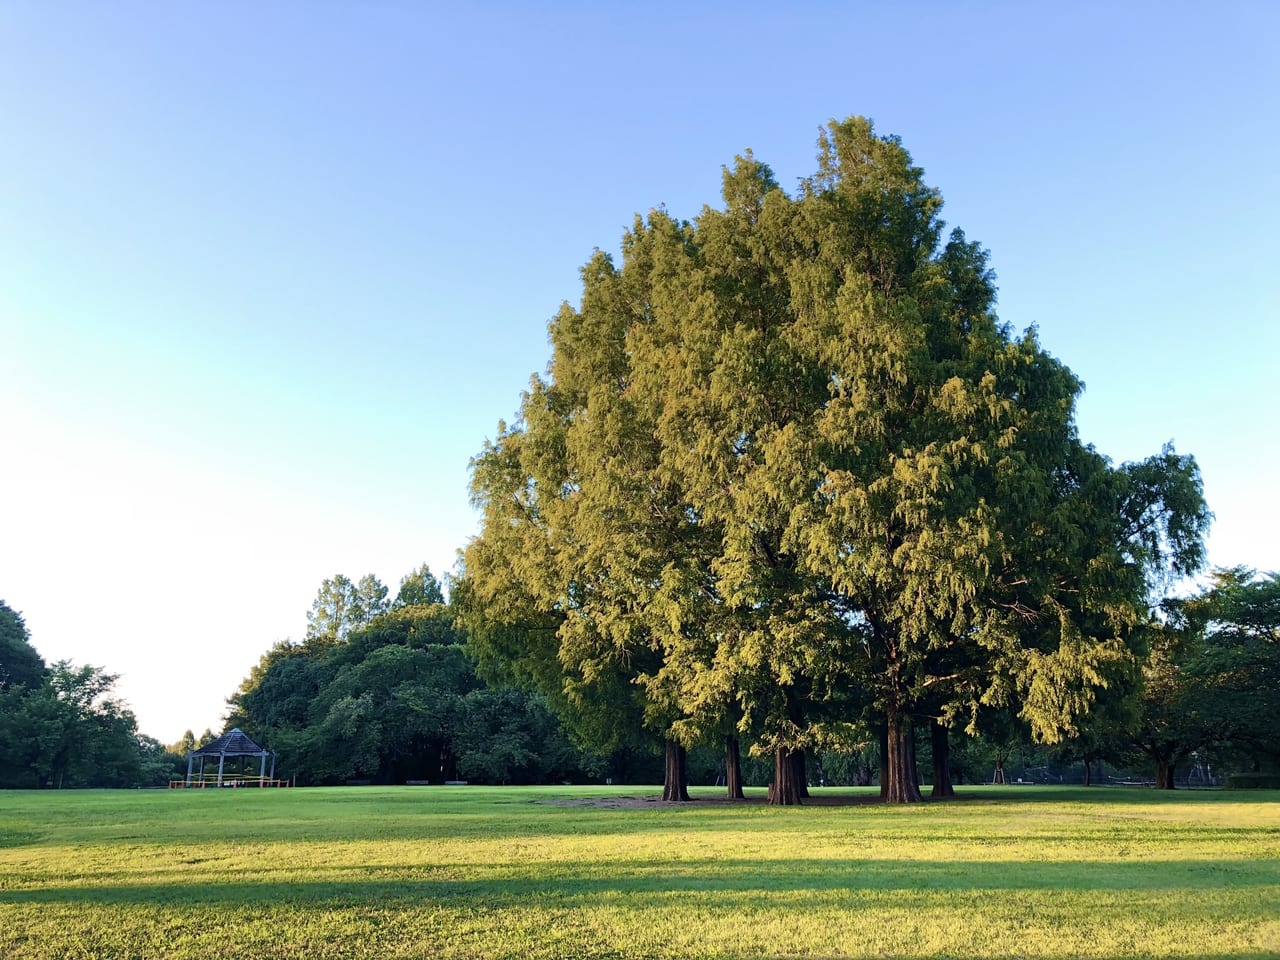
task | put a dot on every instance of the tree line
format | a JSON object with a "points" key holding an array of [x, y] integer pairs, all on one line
{"points": [[398, 698], [383, 690], [61, 726]]}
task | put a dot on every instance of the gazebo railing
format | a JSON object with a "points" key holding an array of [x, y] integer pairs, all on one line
{"points": [[228, 780]]}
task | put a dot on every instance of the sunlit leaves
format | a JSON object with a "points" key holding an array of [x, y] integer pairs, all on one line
{"points": [[788, 470]]}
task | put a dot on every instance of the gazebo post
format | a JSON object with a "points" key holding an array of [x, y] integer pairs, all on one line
{"points": [[262, 768], [273, 764], [222, 757]]}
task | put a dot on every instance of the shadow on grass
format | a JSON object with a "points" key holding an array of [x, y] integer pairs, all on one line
{"points": [[407, 811], [573, 883], [356, 814]]}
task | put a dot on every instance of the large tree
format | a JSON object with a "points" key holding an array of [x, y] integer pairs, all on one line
{"points": [[589, 551], [788, 474]]}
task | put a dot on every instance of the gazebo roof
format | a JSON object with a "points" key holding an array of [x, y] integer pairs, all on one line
{"points": [[236, 743]]}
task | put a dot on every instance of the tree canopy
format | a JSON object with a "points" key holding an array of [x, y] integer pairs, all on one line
{"points": [[419, 587], [394, 697], [62, 725], [1212, 678], [789, 477], [20, 664]]}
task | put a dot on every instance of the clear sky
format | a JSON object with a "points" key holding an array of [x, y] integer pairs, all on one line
{"points": [[270, 273]]}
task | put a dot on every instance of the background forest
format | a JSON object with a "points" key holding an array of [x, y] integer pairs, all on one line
{"points": [[387, 692]]}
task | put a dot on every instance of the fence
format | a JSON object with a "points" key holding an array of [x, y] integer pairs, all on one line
{"points": [[233, 780]]}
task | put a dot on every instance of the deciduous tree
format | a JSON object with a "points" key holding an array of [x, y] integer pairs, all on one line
{"points": [[334, 612], [398, 698], [20, 664], [1212, 678], [419, 587]]}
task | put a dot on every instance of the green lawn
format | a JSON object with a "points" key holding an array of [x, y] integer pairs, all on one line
{"points": [[518, 872]]}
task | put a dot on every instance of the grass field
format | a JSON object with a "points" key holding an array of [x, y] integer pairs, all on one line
{"points": [[456, 872]]}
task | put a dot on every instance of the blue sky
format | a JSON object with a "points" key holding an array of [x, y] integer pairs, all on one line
{"points": [[271, 273]]}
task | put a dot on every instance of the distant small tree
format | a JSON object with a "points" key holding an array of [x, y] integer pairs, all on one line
{"points": [[187, 742], [341, 606], [371, 600], [334, 612], [1001, 734], [418, 587], [1105, 733]]}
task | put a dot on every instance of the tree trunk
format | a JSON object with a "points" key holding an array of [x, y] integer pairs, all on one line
{"points": [[884, 762], [785, 789], [798, 772], [733, 768], [1164, 774], [998, 776], [446, 763], [675, 778], [941, 745], [862, 778], [899, 768], [1088, 771]]}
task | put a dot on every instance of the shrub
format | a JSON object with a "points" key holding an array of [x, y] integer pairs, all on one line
{"points": [[1253, 781]]}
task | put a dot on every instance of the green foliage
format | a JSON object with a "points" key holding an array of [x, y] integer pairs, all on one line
{"points": [[279, 690], [1212, 679], [507, 736], [851, 768], [341, 606], [333, 610], [59, 725], [68, 732], [187, 742], [396, 698], [20, 664], [371, 599], [789, 475], [158, 764], [1253, 781], [418, 588]]}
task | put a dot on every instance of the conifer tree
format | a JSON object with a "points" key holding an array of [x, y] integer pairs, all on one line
{"points": [[789, 477]]}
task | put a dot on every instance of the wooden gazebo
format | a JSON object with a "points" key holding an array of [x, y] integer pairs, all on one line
{"points": [[235, 743]]}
